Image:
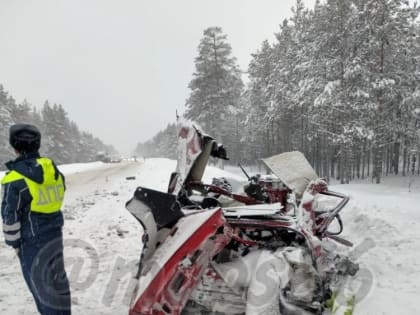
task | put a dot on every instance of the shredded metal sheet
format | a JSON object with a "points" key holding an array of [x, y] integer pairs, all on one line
{"points": [[293, 169]]}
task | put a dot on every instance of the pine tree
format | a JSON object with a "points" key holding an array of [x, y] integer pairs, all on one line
{"points": [[216, 86], [260, 97], [57, 128]]}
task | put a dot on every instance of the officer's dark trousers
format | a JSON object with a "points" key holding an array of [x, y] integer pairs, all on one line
{"points": [[42, 263]]}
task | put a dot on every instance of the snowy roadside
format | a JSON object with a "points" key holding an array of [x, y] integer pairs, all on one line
{"points": [[103, 240], [384, 220]]}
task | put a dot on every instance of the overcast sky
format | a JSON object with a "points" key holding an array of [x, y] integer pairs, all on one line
{"points": [[121, 68]]}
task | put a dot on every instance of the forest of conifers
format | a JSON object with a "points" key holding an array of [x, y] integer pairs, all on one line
{"points": [[61, 138], [341, 83]]}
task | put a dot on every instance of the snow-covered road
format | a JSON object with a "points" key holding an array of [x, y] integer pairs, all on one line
{"points": [[101, 243]]}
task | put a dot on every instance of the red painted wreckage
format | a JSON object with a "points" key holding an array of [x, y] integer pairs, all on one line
{"points": [[209, 250]]}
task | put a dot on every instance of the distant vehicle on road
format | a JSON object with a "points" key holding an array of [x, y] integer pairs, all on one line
{"points": [[115, 160], [103, 157]]}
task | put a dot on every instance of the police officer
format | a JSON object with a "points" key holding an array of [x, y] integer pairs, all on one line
{"points": [[33, 192]]}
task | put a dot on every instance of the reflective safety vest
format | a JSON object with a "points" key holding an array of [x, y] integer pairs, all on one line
{"points": [[46, 197]]}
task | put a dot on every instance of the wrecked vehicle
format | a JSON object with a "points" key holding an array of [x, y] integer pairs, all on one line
{"points": [[210, 250]]}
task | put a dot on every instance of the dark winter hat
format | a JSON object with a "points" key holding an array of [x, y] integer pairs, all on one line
{"points": [[25, 138]]}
